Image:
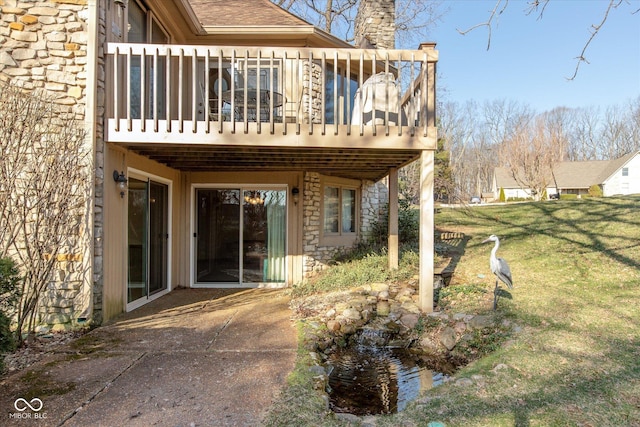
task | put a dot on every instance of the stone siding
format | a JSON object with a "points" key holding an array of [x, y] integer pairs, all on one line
{"points": [[43, 46], [311, 92], [374, 197], [99, 153], [375, 25]]}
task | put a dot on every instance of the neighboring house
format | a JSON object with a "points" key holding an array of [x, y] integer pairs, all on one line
{"points": [[615, 177], [225, 148]]}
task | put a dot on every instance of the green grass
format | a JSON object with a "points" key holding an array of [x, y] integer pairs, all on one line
{"points": [[369, 268], [576, 302]]}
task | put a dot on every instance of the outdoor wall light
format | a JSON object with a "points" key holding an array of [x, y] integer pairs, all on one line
{"points": [[295, 193], [121, 182]]}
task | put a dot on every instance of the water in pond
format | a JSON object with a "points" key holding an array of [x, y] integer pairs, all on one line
{"points": [[372, 378]]}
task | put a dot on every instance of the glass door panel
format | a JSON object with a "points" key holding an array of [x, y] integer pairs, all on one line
{"points": [[217, 235], [137, 240], [158, 236], [147, 238], [264, 236]]}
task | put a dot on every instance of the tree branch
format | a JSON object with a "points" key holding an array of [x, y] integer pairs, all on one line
{"points": [[489, 21], [595, 29]]}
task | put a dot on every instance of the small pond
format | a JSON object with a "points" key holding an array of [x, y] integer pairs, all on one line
{"points": [[373, 377]]}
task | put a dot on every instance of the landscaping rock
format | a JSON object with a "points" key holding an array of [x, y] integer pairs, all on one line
{"points": [[333, 325], [480, 322], [350, 418], [448, 338], [379, 287], [500, 367], [351, 314], [460, 327], [383, 308], [428, 344], [410, 320], [464, 382]]}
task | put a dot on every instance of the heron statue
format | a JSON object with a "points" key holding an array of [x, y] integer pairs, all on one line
{"points": [[500, 268]]}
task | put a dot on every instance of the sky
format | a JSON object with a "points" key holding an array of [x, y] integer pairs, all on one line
{"points": [[530, 59]]}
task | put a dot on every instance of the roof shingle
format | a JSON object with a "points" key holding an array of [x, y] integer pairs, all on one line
{"points": [[246, 13], [572, 174]]}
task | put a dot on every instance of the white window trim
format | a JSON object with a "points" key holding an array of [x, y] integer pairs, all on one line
{"points": [[142, 175], [193, 283]]}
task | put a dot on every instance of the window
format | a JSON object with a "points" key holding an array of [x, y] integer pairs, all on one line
{"points": [[339, 210], [251, 71], [144, 28], [625, 171], [339, 83]]}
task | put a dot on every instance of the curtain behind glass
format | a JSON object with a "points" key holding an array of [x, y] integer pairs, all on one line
{"points": [[275, 202]]}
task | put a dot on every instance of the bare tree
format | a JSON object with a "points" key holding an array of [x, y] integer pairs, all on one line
{"points": [[414, 18], [457, 127], [500, 133], [618, 132], [43, 191], [538, 7], [530, 153], [583, 141]]}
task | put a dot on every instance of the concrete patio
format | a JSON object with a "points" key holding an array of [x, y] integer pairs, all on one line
{"points": [[193, 357]]}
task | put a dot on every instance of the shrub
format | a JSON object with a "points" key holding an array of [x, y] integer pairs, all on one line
{"points": [[568, 196], [595, 191], [408, 227], [502, 197], [9, 298]]}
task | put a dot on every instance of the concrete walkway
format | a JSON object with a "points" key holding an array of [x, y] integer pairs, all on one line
{"points": [[195, 357]]}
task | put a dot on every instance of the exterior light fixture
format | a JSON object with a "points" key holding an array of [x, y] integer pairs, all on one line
{"points": [[121, 182], [295, 194]]}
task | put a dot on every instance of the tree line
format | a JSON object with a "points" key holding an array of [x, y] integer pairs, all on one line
{"points": [[480, 137]]}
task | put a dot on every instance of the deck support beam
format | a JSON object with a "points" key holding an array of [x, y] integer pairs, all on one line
{"points": [[393, 219], [425, 289]]}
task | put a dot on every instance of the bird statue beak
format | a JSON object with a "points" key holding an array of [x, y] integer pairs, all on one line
{"points": [[486, 240]]}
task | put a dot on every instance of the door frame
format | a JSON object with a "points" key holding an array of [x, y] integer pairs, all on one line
{"points": [[192, 232], [146, 176]]}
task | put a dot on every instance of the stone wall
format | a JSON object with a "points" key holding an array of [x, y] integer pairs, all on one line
{"points": [[43, 46], [311, 92], [99, 154], [374, 197], [315, 256], [375, 25]]}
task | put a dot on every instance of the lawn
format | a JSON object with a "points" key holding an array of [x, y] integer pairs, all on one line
{"points": [[575, 356]]}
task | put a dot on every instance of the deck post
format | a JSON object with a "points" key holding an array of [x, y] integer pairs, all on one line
{"points": [[425, 289], [393, 219]]}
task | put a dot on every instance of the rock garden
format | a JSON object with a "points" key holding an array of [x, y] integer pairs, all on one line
{"points": [[386, 315]]}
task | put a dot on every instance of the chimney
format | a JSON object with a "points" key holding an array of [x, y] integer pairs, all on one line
{"points": [[375, 24]]}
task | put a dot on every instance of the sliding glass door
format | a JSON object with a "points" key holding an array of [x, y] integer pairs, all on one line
{"points": [[147, 238], [240, 236], [217, 235]]}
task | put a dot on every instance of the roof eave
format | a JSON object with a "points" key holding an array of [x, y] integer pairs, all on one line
{"points": [[272, 30], [189, 16]]}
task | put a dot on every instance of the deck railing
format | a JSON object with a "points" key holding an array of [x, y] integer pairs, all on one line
{"points": [[179, 91]]}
